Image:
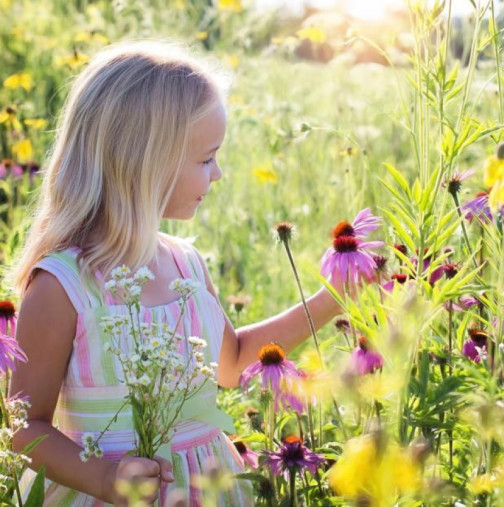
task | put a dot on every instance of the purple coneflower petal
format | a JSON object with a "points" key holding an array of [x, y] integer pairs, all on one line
{"points": [[10, 351], [365, 222]]}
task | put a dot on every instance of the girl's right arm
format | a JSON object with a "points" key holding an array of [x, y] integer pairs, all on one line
{"points": [[45, 331]]}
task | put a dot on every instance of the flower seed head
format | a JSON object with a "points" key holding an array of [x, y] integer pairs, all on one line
{"points": [[343, 229], [401, 248], [345, 244], [240, 446], [399, 278], [380, 262], [284, 231], [500, 151], [271, 354], [7, 309], [478, 335]]}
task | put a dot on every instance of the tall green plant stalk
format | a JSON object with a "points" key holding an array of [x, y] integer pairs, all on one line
{"points": [[495, 44]]}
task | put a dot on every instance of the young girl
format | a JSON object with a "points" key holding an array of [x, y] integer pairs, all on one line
{"points": [[137, 143]]}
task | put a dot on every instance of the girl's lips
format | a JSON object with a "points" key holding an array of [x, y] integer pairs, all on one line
{"points": [[200, 198]]}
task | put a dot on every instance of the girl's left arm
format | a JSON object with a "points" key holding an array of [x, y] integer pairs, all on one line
{"points": [[289, 328]]}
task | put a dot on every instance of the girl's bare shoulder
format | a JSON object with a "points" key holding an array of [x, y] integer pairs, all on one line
{"points": [[46, 303]]}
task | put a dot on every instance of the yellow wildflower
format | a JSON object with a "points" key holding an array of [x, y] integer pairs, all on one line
{"points": [[20, 80], [312, 33], [74, 61], [8, 116], [230, 5], [232, 60], [36, 123], [91, 37], [202, 35], [265, 175], [494, 177], [482, 484], [379, 387], [373, 468], [180, 4], [494, 170], [277, 40], [23, 150]]}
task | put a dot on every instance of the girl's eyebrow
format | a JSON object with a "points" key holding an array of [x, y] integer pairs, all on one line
{"points": [[212, 150]]}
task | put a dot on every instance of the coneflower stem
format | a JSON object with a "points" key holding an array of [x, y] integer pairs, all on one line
{"points": [[346, 289], [464, 230], [312, 438], [305, 306], [450, 372], [292, 487], [310, 323], [270, 438]]}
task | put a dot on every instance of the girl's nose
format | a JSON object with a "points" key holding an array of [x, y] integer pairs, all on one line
{"points": [[216, 174]]}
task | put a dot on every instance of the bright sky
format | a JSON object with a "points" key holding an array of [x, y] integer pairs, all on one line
{"points": [[364, 9]]}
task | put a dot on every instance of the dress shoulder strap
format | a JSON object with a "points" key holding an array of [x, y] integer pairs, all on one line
{"points": [[63, 265], [186, 258]]}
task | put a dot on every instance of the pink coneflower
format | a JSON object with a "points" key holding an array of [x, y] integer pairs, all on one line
{"points": [[349, 258], [478, 208], [248, 455], [476, 345], [364, 359], [277, 374], [9, 352], [8, 318], [293, 456]]}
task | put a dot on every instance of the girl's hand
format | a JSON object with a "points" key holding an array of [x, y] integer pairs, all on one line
{"points": [[138, 471]]}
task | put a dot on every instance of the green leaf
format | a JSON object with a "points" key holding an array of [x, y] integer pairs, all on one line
{"points": [[454, 92], [33, 444], [250, 476], [394, 191], [407, 220], [398, 178], [417, 191], [401, 232], [37, 492]]}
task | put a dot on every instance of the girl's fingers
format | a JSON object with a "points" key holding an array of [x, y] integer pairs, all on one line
{"points": [[166, 469], [139, 467]]}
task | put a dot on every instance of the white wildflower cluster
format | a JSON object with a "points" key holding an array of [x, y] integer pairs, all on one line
{"points": [[161, 368], [185, 287], [128, 286], [91, 447], [12, 420]]}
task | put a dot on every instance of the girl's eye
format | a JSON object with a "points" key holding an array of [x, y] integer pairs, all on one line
{"points": [[208, 161]]}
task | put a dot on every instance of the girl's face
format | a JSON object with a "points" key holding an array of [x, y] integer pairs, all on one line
{"points": [[200, 168]]}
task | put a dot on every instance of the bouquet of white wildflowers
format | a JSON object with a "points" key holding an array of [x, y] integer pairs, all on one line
{"points": [[159, 378]]}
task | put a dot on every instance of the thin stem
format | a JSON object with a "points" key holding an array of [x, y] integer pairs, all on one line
{"points": [[305, 306], [464, 229]]}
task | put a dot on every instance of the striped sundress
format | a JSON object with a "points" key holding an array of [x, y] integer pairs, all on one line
{"points": [[91, 391]]}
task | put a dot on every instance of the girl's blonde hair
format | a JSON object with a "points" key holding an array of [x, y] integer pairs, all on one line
{"points": [[120, 145]]}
